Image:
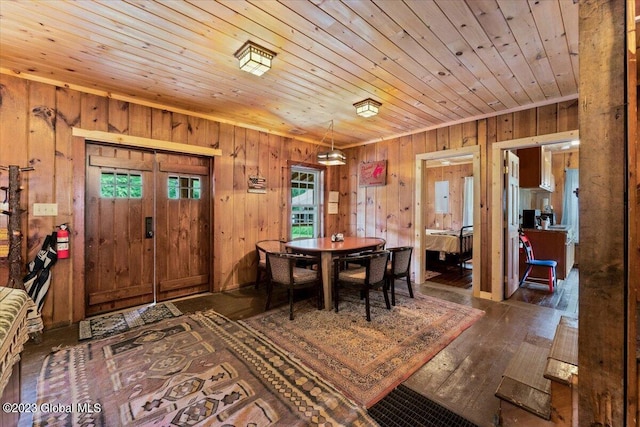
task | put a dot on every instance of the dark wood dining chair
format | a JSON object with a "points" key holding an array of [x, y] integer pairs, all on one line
{"points": [[399, 268], [262, 248], [283, 272], [380, 247], [371, 275]]}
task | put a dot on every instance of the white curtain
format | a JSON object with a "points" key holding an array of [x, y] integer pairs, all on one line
{"points": [[467, 201], [570, 203]]}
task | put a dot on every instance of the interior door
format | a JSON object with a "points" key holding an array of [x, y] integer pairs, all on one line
{"points": [[512, 219], [119, 257], [182, 225], [147, 227]]}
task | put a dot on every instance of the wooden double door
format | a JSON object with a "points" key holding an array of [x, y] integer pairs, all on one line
{"points": [[147, 220]]}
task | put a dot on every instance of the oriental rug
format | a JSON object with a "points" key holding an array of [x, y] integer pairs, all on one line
{"points": [[116, 323], [366, 360], [201, 369]]}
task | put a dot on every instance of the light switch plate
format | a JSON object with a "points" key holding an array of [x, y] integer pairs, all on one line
{"points": [[45, 209]]}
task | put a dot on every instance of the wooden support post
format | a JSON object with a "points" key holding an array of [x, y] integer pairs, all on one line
{"points": [[603, 215]]}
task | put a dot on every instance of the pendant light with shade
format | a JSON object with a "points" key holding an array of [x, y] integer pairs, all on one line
{"points": [[333, 157]]}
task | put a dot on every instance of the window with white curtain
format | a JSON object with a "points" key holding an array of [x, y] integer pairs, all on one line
{"points": [[467, 201], [570, 203]]}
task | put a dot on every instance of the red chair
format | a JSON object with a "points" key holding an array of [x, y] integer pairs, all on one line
{"points": [[532, 262]]}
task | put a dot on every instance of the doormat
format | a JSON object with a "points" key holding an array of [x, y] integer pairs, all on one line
{"points": [[406, 407], [111, 324], [366, 360]]}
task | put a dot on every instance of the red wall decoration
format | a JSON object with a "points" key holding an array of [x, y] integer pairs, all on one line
{"points": [[373, 173]]}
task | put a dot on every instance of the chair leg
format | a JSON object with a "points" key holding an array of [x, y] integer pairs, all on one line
{"points": [[552, 279], [392, 285], [409, 286], [269, 290], [257, 278], [366, 303], [290, 304], [526, 274], [386, 296]]}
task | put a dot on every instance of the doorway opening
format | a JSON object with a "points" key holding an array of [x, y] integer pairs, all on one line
{"points": [[447, 217], [536, 202]]}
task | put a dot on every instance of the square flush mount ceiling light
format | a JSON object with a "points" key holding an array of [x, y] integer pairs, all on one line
{"points": [[254, 59], [367, 108]]}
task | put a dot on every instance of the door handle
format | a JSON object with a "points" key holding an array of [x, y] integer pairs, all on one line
{"points": [[148, 225]]}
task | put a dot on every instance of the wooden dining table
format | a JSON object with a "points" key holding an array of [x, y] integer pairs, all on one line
{"points": [[327, 249]]}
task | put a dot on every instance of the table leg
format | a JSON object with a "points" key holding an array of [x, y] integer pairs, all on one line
{"points": [[325, 260]]}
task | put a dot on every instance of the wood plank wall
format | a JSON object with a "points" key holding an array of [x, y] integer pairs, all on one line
{"points": [[388, 211], [36, 128], [37, 121], [455, 176]]}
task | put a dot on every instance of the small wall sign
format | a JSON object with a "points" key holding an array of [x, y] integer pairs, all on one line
{"points": [[257, 184], [373, 173]]}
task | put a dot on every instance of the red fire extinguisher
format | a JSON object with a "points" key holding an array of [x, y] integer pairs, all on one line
{"points": [[63, 241]]}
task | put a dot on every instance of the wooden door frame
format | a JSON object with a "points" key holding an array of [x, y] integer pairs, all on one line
{"points": [[77, 235], [495, 205], [418, 266]]}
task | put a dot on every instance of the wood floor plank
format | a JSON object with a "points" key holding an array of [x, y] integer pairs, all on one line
{"points": [[463, 377]]}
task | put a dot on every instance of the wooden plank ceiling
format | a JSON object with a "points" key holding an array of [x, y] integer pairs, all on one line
{"points": [[428, 62]]}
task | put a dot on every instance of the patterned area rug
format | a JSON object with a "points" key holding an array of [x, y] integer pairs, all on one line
{"points": [[366, 360], [201, 369], [111, 324]]}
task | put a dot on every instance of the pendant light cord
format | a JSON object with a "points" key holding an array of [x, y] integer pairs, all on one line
{"points": [[330, 128]]}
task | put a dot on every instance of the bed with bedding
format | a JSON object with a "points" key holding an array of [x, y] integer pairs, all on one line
{"points": [[450, 246]]}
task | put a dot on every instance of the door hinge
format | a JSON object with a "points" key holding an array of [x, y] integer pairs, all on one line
{"points": [[506, 170]]}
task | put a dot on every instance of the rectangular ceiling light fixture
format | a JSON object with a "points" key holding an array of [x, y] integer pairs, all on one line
{"points": [[367, 108], [254, 59]]}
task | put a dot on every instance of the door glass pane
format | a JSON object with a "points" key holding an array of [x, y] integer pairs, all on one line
{"points": [[183, 187], [120, 185]]}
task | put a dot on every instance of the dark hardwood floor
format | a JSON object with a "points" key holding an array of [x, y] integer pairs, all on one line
{"points": [[463, 377], [565, 296], [453, 276]]}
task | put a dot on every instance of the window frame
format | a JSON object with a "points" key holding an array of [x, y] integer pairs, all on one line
{"points": [[319, 196]]}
